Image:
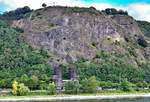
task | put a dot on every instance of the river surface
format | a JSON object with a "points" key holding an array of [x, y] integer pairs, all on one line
{"points": [[104, 100]]}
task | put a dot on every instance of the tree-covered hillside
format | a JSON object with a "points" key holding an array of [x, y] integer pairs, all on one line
{"points": [[112, 69], [108, 45], [145, 27], [20, 61]]}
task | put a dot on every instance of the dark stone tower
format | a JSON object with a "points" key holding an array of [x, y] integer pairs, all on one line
{"points": [[73, 74], [57, 77]]}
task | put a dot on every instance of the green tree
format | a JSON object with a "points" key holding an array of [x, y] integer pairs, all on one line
{"points": [[3, 83], [90, 85], [69, 86], [93, 84], [52, 88], [143, 84], [19, 89], [44, 5], [84, 85], [43, 85], [109, 84], [76, 87], [142, 42], [126, 86], [33, 82], [15, 88], [23, 90], [24, 79], [72, 87]]}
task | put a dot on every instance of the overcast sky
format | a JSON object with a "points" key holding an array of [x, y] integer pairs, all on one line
{"points": [[139, 9]]}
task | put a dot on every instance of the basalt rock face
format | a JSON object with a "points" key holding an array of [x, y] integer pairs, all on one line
{"points": [[70, 35]]}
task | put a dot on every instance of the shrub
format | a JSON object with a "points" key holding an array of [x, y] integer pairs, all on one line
{"points": [[52, 25], [44, 53], [15, 88], [52, 88], [97, 56], [105, 53], [132, 52], [84, 59], [94, 44], [38, 13], [143, 84], [22, 90], [19, 89], [43, 85], [142, 42], [126, 86], [117, 43], [127, 39], [137, 89]]}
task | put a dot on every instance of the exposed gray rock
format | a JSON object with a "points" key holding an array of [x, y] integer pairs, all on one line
{"points": [[68, 35]]}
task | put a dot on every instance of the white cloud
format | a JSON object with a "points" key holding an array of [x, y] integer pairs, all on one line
{"points": [[139, 11]]}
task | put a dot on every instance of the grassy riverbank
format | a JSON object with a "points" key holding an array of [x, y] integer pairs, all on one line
{"points": [[45, 94]]}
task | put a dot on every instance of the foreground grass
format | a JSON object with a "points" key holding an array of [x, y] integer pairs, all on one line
{"points": [[45, 94]]}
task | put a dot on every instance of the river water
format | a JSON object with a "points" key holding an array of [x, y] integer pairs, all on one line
{"points": [[105, 100]]}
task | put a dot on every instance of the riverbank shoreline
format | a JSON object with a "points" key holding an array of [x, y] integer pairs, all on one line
{"points": [[73, 97]]}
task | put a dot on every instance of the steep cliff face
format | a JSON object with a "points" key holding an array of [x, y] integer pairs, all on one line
{"points": [[69, 34]]}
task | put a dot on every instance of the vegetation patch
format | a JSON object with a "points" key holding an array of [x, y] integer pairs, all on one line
{"points": [[132, 51], [108, 42], [21, 62], [113, 11], [145, 27], [17, 14], [94, 44], [142, 42], [20, 30]]}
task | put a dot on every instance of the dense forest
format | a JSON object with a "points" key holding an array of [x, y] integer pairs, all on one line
{"points": [[20, 61]]}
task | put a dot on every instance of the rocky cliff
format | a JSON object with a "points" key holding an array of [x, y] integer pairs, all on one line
{"points": [[71, 34]]}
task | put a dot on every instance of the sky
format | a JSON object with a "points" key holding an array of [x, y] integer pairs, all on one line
{"points": [[139, 9]]}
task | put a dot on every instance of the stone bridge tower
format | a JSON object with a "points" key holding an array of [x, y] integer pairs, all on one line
{"points": [[73, 74], [57, 77]]}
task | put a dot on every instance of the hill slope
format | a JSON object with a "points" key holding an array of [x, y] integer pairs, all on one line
{"points": [[111, 47], [18, 59]]}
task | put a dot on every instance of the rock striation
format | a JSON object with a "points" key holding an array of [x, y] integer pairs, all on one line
{"points": [[69, 34]]}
